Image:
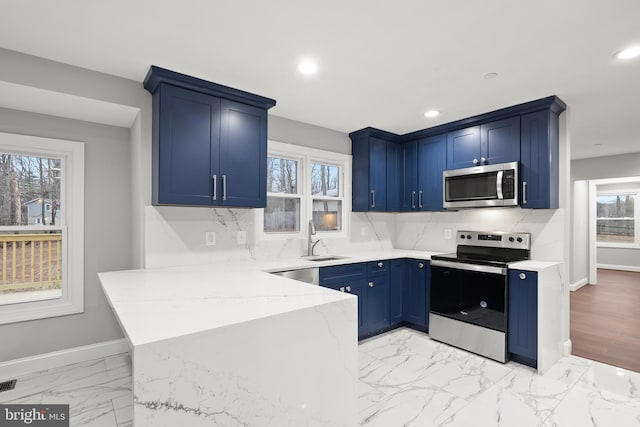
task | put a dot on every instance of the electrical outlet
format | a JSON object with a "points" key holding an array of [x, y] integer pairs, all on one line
{"points": [[242, 237], [210, 238], [447, 234]]}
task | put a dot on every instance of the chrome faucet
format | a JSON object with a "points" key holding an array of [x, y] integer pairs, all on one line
{"points": [[312, 244]]}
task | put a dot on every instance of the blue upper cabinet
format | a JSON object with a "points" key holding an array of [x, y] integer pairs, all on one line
{"points": [[463, 148], [209, 142], [412, 164], [432, 157], [376, 163], [243, 155], [539, 169], [489, 143], [500, 141], [409, 181]]}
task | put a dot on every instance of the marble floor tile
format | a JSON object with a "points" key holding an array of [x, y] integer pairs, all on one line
{"points": [[421, 406], [405, 379]]}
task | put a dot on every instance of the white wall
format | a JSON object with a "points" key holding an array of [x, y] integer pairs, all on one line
{"points": [[580, 234], [582, 170], [107, 234]]}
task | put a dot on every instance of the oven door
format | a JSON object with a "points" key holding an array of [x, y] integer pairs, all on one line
{"points": [[469, 307]]}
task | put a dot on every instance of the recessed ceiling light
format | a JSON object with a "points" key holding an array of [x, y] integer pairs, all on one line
{"points": [[629, 53], [432, 113], [490, 76], [308, 66]]}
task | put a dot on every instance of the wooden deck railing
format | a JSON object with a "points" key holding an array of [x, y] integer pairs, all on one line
{"points": [[30, 262]]}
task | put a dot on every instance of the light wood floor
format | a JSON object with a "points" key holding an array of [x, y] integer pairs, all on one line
{"points": [[605, 319]]}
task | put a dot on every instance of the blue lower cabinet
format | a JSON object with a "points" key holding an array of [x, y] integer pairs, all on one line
{"points": [[416, 294], [522, 339], [397, 277], [377, 303], [390, 292]]}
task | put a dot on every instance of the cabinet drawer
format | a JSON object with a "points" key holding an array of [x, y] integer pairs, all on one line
{"points": [[341, 273], [377, 267]]}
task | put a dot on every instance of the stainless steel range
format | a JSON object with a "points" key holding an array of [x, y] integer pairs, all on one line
{"points": [[469, 300]]}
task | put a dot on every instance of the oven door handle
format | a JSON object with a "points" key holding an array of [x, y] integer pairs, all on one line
{"points": [[469, 267]]}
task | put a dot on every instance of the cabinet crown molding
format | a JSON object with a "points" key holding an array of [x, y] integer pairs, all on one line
{"points": [[157, 75]]}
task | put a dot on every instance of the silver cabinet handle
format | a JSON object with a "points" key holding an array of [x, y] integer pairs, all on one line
{"points": [[215, 187], [413, 200], [499, 176], [483, 160], [371, 285], [420, 199], [522, 276], [475, 161], [421, 265], [524, 192], [342, 289], [224, 187], [373, 198], [348, 288], [380, 264]]}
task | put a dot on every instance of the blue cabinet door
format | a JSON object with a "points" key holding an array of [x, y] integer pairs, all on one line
{"points": [[415, 293], [500, 141], [377, 302], [539, 172], [432, 155], [186, 142], [360, 174], [463, 146], [377, 175], [394, 168], [409, 185], [243, 155], [397, 277], [522, 339]]}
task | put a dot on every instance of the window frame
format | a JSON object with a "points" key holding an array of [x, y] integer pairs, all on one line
{"points": [[71, 225], [636, 213], [305, 157]]}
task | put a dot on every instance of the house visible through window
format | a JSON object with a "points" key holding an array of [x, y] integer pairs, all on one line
{"points": [[616, 218], [303, 185], [41, 251]]}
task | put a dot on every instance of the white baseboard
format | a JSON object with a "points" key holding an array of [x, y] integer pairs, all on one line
{"points": [[20, 367], [580, 283], [619, 267], [567, 347]]}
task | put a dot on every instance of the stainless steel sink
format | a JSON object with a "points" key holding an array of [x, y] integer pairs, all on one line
{"points": [[323, 257], [307, 275]]}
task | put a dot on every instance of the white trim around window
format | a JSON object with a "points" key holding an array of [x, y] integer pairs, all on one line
{"points": [[306, 157], [71, 225]]}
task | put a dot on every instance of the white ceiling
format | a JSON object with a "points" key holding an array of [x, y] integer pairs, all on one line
{"points": [[382, 63]]}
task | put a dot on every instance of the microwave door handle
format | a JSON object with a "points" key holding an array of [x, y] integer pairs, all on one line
{"points": [[499, 184]]}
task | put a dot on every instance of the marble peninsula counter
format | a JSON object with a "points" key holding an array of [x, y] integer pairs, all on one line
{"points": [[230, 344]]}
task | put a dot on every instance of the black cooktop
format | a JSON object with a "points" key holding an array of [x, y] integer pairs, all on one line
{"points": [[497, 262]]}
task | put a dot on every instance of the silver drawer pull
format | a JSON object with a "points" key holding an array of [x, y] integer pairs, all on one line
{"points": [[371, 285], [215, 187], [421, 265], [380, 264], [522, 276], [348, 288], [342, 289]]}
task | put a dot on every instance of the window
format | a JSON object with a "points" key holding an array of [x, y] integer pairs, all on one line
{"points": [[617, 219], [41, 223], [305, 184]]}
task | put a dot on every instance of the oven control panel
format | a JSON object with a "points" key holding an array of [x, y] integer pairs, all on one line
{"points": [[496, 239]]}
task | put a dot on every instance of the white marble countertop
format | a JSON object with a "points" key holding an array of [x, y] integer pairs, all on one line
{"points": [[158, 304]]}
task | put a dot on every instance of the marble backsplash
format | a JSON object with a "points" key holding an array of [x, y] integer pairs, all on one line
{"points": [[176, 235]]}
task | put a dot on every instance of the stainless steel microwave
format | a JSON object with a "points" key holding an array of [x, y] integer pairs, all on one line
{"points": [[481, 186]]}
